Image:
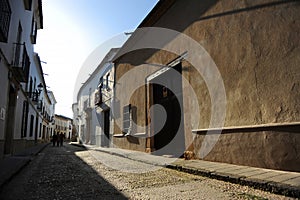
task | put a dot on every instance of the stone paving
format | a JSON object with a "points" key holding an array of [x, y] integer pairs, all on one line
{"points": [[276, 181], [280, 182], [57, 173], [11, 165]]}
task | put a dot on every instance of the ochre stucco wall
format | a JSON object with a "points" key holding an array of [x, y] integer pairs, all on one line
{"points": [[257, 53], [266, 149], [256, 47]]}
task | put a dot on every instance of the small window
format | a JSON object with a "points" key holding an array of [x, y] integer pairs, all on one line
{"points": [[100, 85], [33, 34], [30, 90], [107, 81], [24, 119], [31, 125], [27, 4], [127, 119], [40, 132]]}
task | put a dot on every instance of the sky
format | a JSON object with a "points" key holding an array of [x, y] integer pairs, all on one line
{"points": [[72, 30]]}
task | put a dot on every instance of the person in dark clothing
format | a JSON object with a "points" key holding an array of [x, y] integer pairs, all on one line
{"points": [[54, 139], [57, 141], [61, 139]]}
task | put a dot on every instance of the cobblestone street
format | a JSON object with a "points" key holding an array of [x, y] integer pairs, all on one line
{"points": [[56, 173], [71, 172]]}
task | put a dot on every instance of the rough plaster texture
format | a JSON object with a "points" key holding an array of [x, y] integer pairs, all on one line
{"points": [[258, 54], [256, 47], [267, 149]]}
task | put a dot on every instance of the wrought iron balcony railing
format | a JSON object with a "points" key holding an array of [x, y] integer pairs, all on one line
{"points": [[98, 98], [21, 62]]}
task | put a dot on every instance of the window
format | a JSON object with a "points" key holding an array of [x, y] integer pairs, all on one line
{"points": [[30, 87], [107, 82], [127, 119], [100, 85], [27, 4], [5, 13], [18, 47], [85, 104], [33, 34], [31, 125], [34, 84], [24, 119], [90, 96], [98, 97], [40, 132]]}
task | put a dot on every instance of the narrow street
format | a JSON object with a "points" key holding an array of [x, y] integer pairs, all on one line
{"points": [[72, 172], [56, 173]]}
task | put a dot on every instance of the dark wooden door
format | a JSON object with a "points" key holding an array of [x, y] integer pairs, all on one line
{"points": [[106, 127], [10, 120], [167, 92]]}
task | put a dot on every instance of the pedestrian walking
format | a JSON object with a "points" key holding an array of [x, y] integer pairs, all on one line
{"points": [[58, 140], [61, 139], [54, 139]]}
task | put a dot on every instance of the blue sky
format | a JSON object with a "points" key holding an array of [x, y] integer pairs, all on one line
{"points": [[73, 29]]}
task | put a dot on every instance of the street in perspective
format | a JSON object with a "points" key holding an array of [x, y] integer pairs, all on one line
{"points": [[72, 172], [149, 99]]}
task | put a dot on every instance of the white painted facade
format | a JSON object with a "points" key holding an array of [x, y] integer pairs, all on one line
{"points": [[22, 83], [63, 125], [51, 112], [89, 110]]}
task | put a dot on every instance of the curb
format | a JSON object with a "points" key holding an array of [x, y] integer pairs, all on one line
{"points": [[273, 187]]}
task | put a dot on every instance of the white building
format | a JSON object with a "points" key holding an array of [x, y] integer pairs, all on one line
{"points": [[63, 125], [92, 113], [22, 83], [51, 112], [75, 120]]}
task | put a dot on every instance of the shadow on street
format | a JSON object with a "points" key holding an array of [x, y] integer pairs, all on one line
{"points": [[57, 173]]}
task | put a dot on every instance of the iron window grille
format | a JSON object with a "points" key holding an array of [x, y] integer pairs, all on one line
{"points": [[5, 14]]}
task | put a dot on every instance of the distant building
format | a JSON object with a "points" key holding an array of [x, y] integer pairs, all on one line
{"points": [[24, 103], [91, 113], [63, 125], [255, 48], [51, 113]]}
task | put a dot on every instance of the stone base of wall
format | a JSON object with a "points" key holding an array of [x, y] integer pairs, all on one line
{"points": [[273, 149], [1, 149], [20, 145], [130, 142]]}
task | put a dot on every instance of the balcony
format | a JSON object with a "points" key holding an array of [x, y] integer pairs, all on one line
{"points": [[35, 97], [21, 63], [98, 98]]}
